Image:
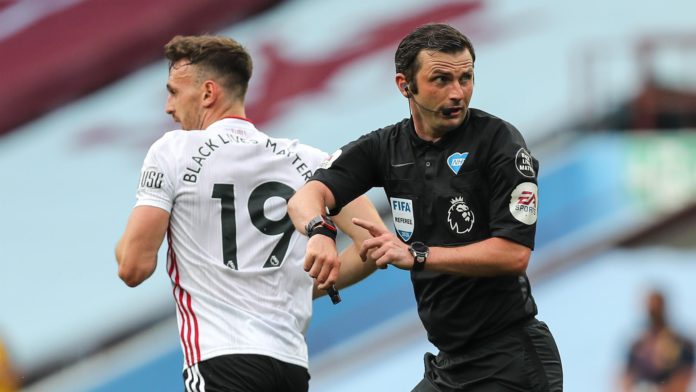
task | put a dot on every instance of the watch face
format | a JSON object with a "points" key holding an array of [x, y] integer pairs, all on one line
{"points": [[419, 247], [420, 253]]}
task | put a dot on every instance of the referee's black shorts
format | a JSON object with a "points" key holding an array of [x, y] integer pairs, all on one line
{"points": [[521, 359], [245, 373]]}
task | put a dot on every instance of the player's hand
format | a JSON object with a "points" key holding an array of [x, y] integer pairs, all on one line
{"points": [[321, 261], [384, 247]]}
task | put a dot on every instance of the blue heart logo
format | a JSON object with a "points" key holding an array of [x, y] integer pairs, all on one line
{"points": [[456, 160]]}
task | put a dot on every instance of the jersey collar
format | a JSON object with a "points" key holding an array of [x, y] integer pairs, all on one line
{"points": [[444, 140], [234, 121], [237, 118]]}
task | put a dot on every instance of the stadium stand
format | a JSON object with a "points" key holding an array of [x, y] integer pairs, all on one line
{"points": [[56, 49]]}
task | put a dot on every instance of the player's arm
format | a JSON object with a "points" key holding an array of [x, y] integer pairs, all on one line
{"points": [[321, 258], [8, 375], [628, 376], [136, 251], [626, 382], [312, 199], [684, 374], [680, 381], [353, 269]]}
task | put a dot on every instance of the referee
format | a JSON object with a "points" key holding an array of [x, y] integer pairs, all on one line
{"points": [[462, 187]]}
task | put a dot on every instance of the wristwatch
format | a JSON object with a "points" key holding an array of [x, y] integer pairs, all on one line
{"points": [[321, 224], [420, 253]]}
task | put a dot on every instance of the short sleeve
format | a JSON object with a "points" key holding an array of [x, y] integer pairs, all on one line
{"points": [[352, 170], [512, 173], [155, 186]]}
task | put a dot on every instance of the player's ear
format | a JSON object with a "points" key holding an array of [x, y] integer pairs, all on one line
{"points": [[210, 93]]}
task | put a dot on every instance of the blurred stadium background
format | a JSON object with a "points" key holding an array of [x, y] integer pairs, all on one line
{"points": [[604, 92]]}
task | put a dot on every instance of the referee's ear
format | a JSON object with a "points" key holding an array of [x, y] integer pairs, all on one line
{"points": [[402, 84]]}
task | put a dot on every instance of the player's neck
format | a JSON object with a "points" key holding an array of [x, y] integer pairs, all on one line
{"points": [[235, 109], [214, 115]]}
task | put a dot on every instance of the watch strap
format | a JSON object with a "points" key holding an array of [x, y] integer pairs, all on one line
{"points": [[321, 225], [419, 256]]}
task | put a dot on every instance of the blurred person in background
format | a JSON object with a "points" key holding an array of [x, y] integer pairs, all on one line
{"points": [[219, 188], [9, 381], [660, 360], [462, 187]]}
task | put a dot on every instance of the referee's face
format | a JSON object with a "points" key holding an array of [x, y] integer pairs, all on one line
{"points": [[185, 94], [445, 82]]}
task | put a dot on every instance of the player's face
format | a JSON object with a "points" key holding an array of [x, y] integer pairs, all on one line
{"points": [[185, 95], [445, 81]]}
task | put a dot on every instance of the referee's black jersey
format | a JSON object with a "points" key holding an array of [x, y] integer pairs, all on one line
{"points": [[476, 182]]}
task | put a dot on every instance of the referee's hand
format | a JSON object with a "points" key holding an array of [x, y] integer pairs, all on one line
{"points": [[385, 248], [321, 261]]}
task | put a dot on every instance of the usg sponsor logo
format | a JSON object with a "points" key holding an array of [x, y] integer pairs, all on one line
{"points": [[523, 163], [524, 202], [459, 216], [151, 179], [402, 213]]}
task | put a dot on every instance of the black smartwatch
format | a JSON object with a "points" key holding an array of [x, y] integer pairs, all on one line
{"points": [[321, 224], [420, 253]]}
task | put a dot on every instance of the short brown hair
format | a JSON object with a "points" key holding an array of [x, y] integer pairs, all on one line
{"points": [[224, 57], [437, 37]]}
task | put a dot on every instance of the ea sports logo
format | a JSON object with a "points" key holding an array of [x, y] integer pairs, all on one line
{"points": [[524, 203], [460, 217]]}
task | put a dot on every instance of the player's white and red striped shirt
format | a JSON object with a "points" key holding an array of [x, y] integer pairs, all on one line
{"points": [[234, 259]]}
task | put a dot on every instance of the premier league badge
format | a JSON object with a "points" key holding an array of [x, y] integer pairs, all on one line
{"points": [[460, 217], [402, 212]]}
